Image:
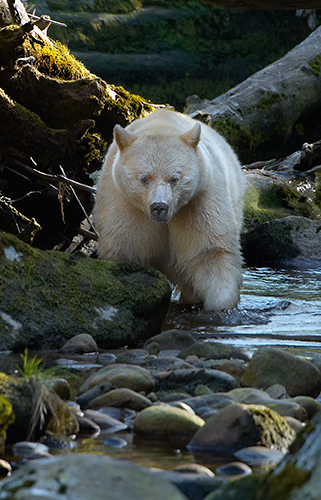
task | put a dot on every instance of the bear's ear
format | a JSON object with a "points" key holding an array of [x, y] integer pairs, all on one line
{"points": [[192, 136], [123, 138]]}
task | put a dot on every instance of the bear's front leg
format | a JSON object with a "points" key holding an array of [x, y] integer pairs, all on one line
{"points": [[217, 279]]}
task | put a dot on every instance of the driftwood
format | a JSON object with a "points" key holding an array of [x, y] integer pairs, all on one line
{"points": [[275, 110]]}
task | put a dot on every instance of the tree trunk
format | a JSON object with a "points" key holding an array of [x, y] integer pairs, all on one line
{"points": [[274, 111]]}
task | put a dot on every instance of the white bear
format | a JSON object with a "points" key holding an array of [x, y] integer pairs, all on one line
{"points": [[170, 195]]}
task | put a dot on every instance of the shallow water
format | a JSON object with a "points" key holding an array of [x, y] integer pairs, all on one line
{"points": [[279, 307]]}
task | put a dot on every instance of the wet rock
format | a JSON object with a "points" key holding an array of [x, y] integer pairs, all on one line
{"points": [[270, 365], [309, 404], [296, 425], [298, 475], [237, 426], [87, 426], [63, 477], [119, 304], [165, 421], [119, 375], [234, 367], [166, 363], [132, 356], [277, 391], [244, 488], [283, 407], [290, 241], [209, 401], [173, 396], [104, 421], [195, 468], [214, 350], [121, 398], [55, 416], [172, 339], [25, 448], [61, 386], [216, 380], [94, 392], [194, 486], [115, 442], [80, 344], [234, 469], [259, 456]]}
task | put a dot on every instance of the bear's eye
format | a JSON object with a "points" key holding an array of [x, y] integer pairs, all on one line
{"points": [[144, 180], [173, 180]]}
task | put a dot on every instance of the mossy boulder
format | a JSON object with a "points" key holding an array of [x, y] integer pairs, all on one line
{"points": [[47, 297], [6, 418], [36, 408], [238, 426], [167, 422]]}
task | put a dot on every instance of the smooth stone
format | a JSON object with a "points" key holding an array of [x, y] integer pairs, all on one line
{"points": [[85, 476], [166, 363], [234, 367], [259, 456], [132, 377], [194, 468], [61, 386], [194, 486], [84, 399], [277, 391], [296, 425], [172, 339], [174, 396], [115, 442], [132, 356], [234, 469], [87, 426], [269, 366], [310, 405], [105, 422], [165, 421], [24, 448], [80, 344], [214, 350], [238, 425], [189, 379], [121, 398], [107, 358]]}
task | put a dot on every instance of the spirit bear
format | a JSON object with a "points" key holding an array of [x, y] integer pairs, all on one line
{"points": [[170, 195]]}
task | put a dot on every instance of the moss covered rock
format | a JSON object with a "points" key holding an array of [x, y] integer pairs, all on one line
{"points": [[165, 421], [238, 426], [6, 418], [47, 297], [37, 408]]}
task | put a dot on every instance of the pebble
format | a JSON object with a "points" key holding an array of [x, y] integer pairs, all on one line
{"points": [[234, 469]]}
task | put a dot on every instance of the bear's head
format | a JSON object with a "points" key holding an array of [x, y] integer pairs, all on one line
{"points": [[158, 172]]}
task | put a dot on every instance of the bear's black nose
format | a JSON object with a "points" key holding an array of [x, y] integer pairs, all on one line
{"points": [[159, 212]]}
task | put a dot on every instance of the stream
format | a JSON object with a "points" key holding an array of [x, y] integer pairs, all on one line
{"points": [[279, 307]]}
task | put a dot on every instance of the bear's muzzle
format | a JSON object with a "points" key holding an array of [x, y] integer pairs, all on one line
{"points": [[159, 212]]}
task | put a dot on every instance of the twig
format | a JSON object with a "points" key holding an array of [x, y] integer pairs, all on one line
{"points": [[81, 206], [56, 178]]}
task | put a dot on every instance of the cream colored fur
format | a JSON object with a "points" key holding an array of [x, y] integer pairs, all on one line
{"points": [[169, 160]]}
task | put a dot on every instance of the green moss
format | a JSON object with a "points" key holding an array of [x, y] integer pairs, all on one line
{"points": [[281, 485], [268, 100], [315, 65], [241, 138], [274, 428], [56, 61]]}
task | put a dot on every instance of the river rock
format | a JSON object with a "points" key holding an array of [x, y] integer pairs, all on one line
{"points": [[83, 476], [97, 390], [121, 398], [80, 344], [133, 377], [6, 418], [214, 350], [47, 296], [105, 422], [61, 386], [216, 380], [289, 407], [309, 404], [289, 241], [172, 339], [270, 365], [58, 417], [165, 421], [237, 426]]}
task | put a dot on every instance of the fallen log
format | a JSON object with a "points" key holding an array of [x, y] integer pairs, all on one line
{"points": [[274, 111]]}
